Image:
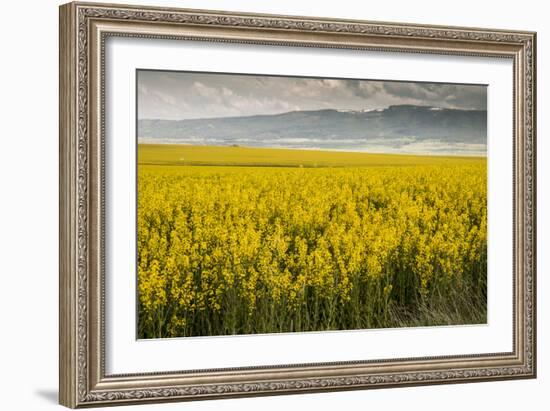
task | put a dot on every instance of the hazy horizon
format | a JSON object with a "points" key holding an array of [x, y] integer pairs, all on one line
{"points": [[311, 113]]}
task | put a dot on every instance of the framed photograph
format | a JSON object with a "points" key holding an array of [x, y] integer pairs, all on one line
{"points": [[260, 204]]}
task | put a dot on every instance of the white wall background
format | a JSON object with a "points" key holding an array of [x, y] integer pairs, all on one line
{"points": [[29, 189]]}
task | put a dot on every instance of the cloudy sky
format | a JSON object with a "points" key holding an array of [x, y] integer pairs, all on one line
{"points": [[186, 95]]}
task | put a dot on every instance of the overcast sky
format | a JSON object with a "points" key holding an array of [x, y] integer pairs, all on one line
{"points": [[185, 95]]}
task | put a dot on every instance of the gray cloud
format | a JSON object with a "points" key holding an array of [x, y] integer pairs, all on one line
{"points": [[187, 95]]}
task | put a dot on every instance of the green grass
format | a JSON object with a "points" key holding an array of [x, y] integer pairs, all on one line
{"points": [[188, 155]]}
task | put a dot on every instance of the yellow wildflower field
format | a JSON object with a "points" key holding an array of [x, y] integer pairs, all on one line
{"points": [[235, 240]]}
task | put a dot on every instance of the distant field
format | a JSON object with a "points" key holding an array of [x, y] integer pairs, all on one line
{"points": [[168, 154], [235, 240]]}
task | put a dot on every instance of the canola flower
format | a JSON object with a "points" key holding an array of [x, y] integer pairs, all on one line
{"points": [[238, 250]]}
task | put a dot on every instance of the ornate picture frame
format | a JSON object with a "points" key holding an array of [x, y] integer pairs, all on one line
{"points": [[84, 30]]}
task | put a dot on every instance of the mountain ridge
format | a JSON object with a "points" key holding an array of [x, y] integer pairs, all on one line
{"points": [[396, 125]]}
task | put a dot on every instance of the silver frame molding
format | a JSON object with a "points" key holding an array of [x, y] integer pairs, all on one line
{"points": [[84, 27]]}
